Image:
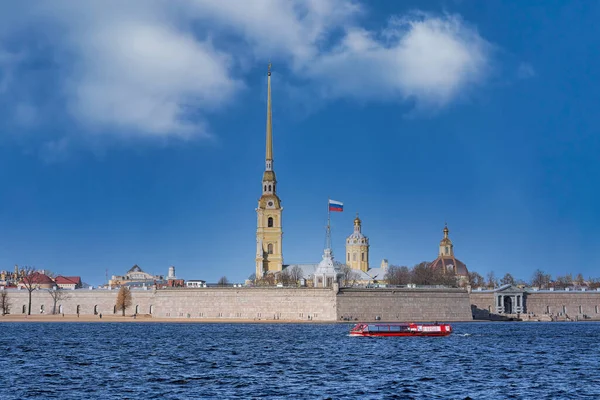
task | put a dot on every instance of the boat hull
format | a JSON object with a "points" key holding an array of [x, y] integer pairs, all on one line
{"points": [[393, 334], [401, 330]]}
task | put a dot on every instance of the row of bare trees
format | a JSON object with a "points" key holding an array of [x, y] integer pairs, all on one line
{"points": [[420, 274], [539, 279]]}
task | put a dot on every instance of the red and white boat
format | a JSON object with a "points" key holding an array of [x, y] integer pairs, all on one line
{"points": [[412, 329]]}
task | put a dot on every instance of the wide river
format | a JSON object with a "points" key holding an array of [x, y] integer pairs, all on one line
{"points": [[311, 361]]}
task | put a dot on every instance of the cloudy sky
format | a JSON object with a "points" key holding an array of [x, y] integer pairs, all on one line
{"points": [[133, 132]]}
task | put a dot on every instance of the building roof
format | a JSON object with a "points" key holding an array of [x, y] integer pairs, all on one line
{"points": [[39, 279], [135, 268], [68, 280], [308, 270], [445, 262]]}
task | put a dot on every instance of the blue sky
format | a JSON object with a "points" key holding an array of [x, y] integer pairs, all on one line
{"points": [[134, 133]]}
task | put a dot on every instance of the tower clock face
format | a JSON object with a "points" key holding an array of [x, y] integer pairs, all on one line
{"points": [[270, 204]]}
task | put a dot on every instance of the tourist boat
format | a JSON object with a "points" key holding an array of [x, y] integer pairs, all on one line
{"points": [[412, 329]]}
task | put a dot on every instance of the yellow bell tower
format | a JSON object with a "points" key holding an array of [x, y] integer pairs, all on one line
{"points": [[357, 248], [269, 254]]}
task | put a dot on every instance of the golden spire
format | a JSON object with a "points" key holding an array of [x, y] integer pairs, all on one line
{"points": [[269, 122], [446, 230]]}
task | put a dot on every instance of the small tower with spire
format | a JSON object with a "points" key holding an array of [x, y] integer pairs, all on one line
{"points": [[357, 248], [446, 246], [269, 233]]}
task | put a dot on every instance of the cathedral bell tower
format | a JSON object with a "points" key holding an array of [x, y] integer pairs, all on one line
{"points": [[269, 254], [357, 248]]}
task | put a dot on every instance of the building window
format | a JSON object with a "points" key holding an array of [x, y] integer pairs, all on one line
{"points": [[596, 309], [270, 248], [353, 256], [269, 188], [348, 256], [564, 309], [446, 249], [547, 309], [270, 222], [580, 310], [265, 188], [362, 256]]}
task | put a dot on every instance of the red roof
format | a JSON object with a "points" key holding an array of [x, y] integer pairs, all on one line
{"points": [[39, 278], [68, 280]]}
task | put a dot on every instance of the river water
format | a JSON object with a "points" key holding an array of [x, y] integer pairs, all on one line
{"points": [[499, 360]]}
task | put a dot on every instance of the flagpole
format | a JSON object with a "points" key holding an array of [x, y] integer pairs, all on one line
{"points": [[328, 225]]}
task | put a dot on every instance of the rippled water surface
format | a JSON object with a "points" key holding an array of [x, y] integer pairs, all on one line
{"points": [[174, 361]]}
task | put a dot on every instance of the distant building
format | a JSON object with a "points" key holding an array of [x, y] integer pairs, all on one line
{"points": [[38, 280], [68, 282], [135, 277], [195, 283], [446, 261]]}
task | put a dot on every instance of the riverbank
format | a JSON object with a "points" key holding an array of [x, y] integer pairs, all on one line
{"points": [[146, 319]]}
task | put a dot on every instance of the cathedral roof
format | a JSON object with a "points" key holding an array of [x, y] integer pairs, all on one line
{"points": [[446, 262]]}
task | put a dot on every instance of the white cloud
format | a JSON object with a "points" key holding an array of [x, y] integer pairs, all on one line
{"points": [[159, 68], [429, 59]]}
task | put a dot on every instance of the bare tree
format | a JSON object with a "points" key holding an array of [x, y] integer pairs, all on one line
{"points": [[594, 283], [123, 299], [579, 280], [57, 294], [508, 279], [266, 280], [252, 277], [492, 281], [4, 302], [347, 276], [295, 274], [476, 280], [422, 274], [284, 277], [398, 275], [540, 279], [447, 278], [223, 281], [29, 279]]}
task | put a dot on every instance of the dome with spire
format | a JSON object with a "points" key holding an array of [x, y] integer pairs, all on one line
{"points": [[357, 236], [446, 260]]}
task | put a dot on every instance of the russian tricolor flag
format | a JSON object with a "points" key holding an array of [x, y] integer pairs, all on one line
{"points": [[336, 206]]}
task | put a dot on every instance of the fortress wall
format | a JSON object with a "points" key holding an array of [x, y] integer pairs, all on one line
{"points": [[248, 303], [482, 304], [404, 304], [240, 303], [575, 303], [86, 300]]}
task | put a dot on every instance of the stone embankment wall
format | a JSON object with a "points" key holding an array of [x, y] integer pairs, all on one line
{"points": [[298, 304], [240, 303], [573, 304], [404, 305], [482, 305], [87, 302]]}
